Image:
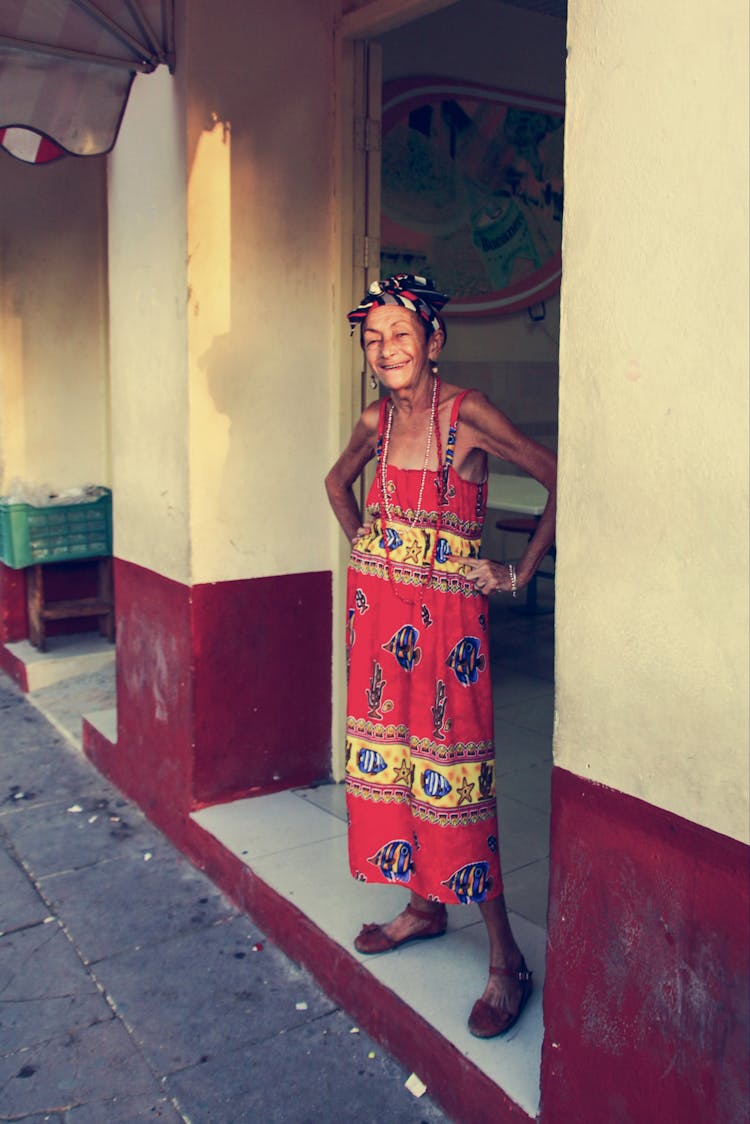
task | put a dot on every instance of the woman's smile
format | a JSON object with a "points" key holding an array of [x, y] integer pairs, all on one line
{"points": [[396, 347]]}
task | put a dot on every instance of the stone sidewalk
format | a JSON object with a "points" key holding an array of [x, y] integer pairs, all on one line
{"points": [[132, 990]]}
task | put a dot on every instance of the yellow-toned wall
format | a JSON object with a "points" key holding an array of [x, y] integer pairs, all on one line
{"points": [[53, 344], [222, 257], [652, 589], [148, 330], [261, 222]]}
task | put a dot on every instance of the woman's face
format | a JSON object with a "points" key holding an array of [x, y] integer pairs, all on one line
{"points": [[396, 348]]}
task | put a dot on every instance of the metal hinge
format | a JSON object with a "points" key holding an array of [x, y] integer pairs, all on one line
{"points": [[362, 253]]}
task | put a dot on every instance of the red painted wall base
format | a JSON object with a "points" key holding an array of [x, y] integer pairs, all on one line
{"points": [[13, 621], [223, 690], [15, 668], [646, 999]]}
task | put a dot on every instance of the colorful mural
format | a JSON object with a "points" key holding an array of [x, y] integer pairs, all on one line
{"points": [[473, 191]]}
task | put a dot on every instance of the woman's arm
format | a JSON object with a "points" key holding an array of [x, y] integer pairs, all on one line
{"points": [[491, 430], [360, 450]]}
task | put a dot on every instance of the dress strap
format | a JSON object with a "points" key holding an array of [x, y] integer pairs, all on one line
{"points": [[457, 406], [451, 447]]}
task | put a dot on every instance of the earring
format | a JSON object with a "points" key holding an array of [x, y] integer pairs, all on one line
{"points": [[434, 367], [373, 381]]}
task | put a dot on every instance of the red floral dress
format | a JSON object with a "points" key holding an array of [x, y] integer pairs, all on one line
{"points": [[420, 762]]}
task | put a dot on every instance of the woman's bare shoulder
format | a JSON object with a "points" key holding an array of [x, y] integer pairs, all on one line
{"points": [[477, 409]]}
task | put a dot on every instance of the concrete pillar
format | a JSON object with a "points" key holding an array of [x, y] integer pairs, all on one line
{"points": [[220, 232]]}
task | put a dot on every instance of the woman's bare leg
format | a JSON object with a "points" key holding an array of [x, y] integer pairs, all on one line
{"points": [[502, 992]]}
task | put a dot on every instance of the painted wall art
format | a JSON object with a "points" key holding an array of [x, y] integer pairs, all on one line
{"points": [[473, 192]]}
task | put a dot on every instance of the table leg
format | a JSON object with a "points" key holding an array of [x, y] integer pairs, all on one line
{"points": [[104, 579], [35, 605]]}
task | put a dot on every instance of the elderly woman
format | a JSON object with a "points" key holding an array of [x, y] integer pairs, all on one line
{"points": [[419, 750]]}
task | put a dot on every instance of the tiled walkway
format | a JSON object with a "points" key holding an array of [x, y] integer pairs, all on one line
{"points": [[296, 843]]}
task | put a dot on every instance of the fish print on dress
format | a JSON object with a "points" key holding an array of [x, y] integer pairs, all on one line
{"points": [[435, 784], [360, 602], [443, 550], [392, 538], [466, 661], [403, 645], [470, 883], [394, 860], [371, 762]]}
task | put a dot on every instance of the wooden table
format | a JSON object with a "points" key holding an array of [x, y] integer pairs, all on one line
{"points": [[519, 494], [41, 610]]}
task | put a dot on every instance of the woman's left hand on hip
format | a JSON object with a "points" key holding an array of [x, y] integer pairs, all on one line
{"points": [[489, 577]]}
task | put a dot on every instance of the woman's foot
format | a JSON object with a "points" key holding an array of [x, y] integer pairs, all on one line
{"points": [[504, 998], [415, 923]]}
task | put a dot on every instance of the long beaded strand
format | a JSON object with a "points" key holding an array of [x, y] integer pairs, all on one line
{"points": [[385, 510], [428, 448]]}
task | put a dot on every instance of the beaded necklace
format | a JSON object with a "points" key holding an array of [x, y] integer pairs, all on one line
{"points": [[385, 509]]}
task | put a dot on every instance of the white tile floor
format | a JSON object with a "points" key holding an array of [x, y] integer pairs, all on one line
{"points": [[296, 842]]}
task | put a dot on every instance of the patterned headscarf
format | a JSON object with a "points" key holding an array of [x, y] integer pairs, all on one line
{"points": [[416, 293]]}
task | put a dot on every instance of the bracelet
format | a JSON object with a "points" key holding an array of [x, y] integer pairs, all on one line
{"points": [[513, 582]]}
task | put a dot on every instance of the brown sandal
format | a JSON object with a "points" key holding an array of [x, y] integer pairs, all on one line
{"points": [[486, 1021], [373, 938]]}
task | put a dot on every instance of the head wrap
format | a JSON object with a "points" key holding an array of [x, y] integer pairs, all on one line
{"points": [[415, 293]]}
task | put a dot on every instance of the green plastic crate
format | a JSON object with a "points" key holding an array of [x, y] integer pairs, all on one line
{"points": [[57, 533]]}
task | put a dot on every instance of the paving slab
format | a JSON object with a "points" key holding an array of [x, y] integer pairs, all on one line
{"points": [[124, 1110], [331, 1074], [20, 902], [134, 901], [93, 1064], [70, 834], [242, 992], [44, 989], [36, 763]]}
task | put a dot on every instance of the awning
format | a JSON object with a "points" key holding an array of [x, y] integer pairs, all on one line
{"points": [[66, 68]]}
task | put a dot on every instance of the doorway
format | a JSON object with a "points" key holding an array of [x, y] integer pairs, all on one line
{"points": [[511, 355]]}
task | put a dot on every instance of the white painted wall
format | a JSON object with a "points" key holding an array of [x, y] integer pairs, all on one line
{"points": [[652, 589], [53, 344]]}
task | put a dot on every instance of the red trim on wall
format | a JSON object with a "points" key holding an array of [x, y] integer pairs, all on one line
{"points": [[646, 994], [262, 685], [13, 620], [15, 668], [222, 690], [153, 759]]}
